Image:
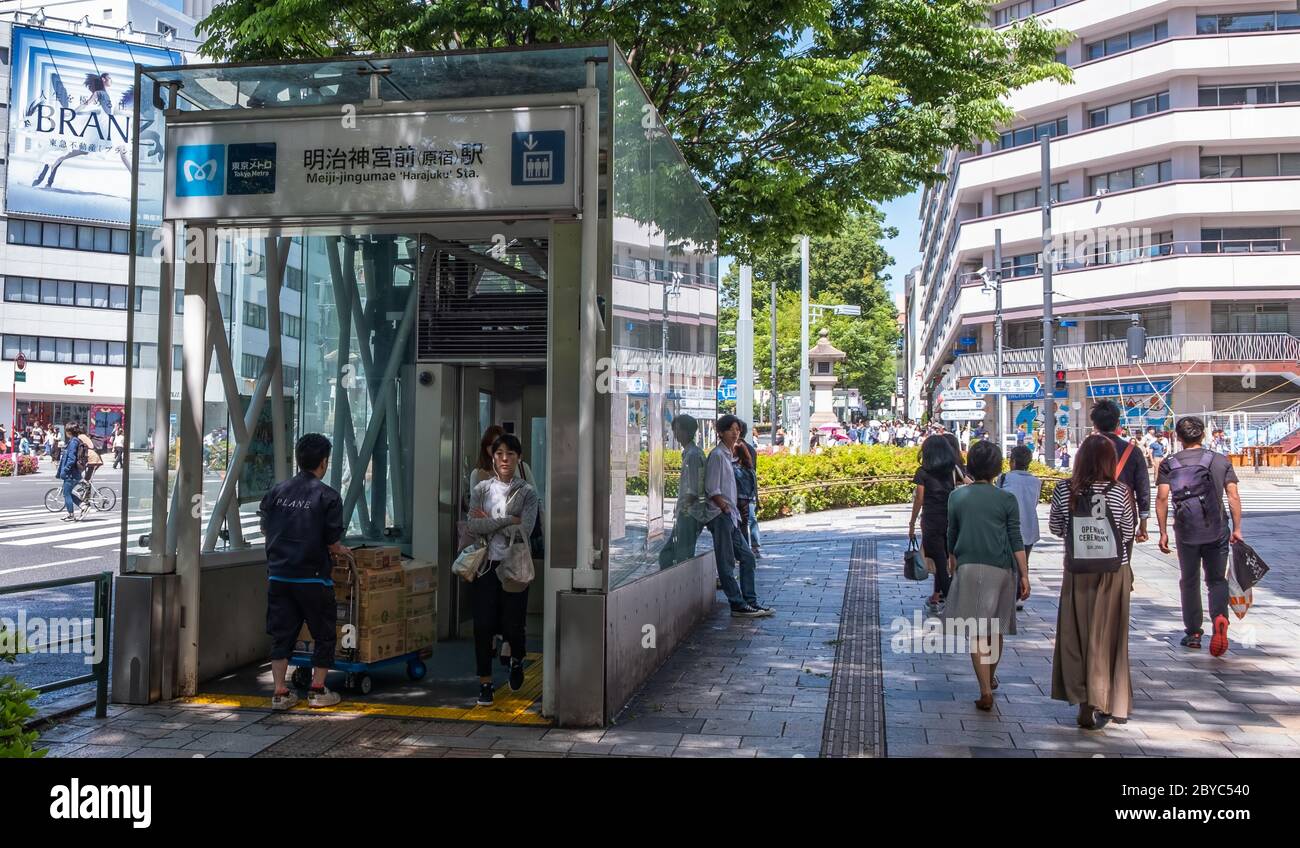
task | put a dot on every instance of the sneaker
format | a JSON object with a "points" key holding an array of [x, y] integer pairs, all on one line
{"points": [[1219, 641], [1192, 640], [322, 697], [285, 701], [516, 675], [68, 517], [762, 610], [746, 612], [484, 695]]}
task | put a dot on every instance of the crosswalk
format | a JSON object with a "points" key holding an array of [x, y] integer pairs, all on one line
{"points": [[31, 526], [1272, 500]]}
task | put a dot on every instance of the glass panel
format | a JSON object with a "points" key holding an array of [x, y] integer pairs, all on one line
{"points": [[1288, 20], [1122, 112], [63, 351], [68, 236], [1247, 23], [117, 297], [1096, 118], [1121, 180], [1264, 165], [1210, 168], [99, 296], [85, 238], [1116, 44], [84, 294], [1024, 136], [31, 290], [49, 292], [47, 349], [67, 293], [1207, 24], [50, 235], [1166, 170], [1096, 50], [121, 241], [1291, 164], [1139, 37], [103, 240], [1232, 96], [662, 407], [81, 351], [1288, 92]]}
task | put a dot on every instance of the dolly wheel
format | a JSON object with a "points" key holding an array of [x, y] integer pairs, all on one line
{"points": [[416, 670], [301, 677], [364, 684]]}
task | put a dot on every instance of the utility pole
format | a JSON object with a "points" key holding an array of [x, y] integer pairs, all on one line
{"points": [[998, 334], [1049, 322], [775, 415], [805, 378], [745, 347]]}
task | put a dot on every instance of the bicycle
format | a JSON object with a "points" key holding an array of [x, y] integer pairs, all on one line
{"points": [[99, 498]]}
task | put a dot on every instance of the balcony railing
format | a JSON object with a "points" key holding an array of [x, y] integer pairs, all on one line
{"points": [[1207, 347], [1144, 253]]}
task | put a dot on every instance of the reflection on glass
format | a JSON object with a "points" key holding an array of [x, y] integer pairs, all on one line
{"points": [[664, 323]]}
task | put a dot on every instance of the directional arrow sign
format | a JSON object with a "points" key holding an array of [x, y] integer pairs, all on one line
{"points": [[962, 415], [958, 394], [969, 405], [1005, 385]]}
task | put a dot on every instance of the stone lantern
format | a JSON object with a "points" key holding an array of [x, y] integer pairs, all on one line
{"points": [[821, 360]]}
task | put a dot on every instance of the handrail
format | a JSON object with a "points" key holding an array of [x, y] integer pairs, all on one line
{"points": [[103, 606], [1194, 347]]}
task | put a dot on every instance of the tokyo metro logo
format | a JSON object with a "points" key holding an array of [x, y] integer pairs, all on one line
{"points": [[200, 170]]}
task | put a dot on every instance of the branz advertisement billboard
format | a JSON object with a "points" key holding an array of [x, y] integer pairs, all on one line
{"points": [[70, 126]]}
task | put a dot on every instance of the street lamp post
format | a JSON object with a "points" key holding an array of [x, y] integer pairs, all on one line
{"points": [[805, 376]]}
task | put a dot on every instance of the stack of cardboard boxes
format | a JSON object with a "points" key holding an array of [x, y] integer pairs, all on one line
{"points": [[396, 604]]}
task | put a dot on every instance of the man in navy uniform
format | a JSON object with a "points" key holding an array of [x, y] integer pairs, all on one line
{"points": [[302, 520]]}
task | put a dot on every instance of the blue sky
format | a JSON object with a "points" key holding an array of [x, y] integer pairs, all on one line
{"points": [[905, 249]]}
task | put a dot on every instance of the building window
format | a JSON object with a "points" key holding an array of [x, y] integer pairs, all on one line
{"points": [[1255, 94], [1031, 198], [1127, 178], [1256, 165], [1157, 322], [1029, 135], [67, 236], [1131, 40], [1252, 22], [1029, 334], [1242, 240], [250, 366], [254, 315], [290, 378], [1024, 265], [1237, 317], [1024, 9], [293, 278], [1128, 110], [64, 293], [290, 325]]}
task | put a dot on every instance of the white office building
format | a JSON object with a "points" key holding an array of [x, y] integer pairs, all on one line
{"points": [[66, 80], [1175, 170]]}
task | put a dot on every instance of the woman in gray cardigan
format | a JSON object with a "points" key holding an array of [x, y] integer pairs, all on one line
{"points": [[496, 505]]}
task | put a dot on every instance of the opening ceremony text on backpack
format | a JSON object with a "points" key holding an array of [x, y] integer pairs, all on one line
{"points": [[1092, 546]]}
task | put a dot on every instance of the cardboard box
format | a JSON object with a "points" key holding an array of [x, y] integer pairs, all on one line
{"points": [[380, 608], [380, 643], [368, 579], [420, 631], [421, 604], [419, 576], [304, 643], [372, 558]]}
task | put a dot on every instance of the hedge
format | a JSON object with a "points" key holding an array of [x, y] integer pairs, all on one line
{"points": [[837, 478], [26, 465]]}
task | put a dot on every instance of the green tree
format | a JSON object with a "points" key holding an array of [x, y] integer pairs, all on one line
{"points": [[793, 114]]}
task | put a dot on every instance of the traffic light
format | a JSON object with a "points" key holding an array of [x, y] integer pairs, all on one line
{"points": [[1060, 381], [1137, 342]]}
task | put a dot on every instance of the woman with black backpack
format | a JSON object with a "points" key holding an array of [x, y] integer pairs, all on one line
{"points": [[1097, 517]]}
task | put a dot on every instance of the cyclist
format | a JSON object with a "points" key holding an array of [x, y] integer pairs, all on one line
{"points": [[69, 471], [93, 459]]}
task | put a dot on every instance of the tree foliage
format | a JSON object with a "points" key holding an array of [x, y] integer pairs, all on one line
{"points": [[793, 114]]}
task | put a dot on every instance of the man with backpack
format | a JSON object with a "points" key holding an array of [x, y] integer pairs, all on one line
{"points": [[1196, 480]]}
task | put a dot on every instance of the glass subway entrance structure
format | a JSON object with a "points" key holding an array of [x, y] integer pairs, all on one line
{"points": [[400, 252]]}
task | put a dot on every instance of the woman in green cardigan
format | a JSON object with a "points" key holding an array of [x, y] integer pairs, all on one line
{"points": [[986, 555]]}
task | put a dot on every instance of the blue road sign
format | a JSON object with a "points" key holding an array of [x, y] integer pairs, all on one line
{"points": [[1005, 385], [727, 390]]}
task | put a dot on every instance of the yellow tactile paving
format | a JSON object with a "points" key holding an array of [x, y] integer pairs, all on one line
{"points": [[509, 707]]}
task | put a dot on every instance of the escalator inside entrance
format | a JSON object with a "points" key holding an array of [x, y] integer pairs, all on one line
{"points": [[416, 350]]}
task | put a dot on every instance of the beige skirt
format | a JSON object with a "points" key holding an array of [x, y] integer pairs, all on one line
{"points": [[984, 593], [1090, 665]]}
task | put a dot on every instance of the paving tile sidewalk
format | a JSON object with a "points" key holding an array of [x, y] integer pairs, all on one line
{"points": [[760, 688]]}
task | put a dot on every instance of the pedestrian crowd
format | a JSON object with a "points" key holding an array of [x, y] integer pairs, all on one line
{"points": [[978, 527]]}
